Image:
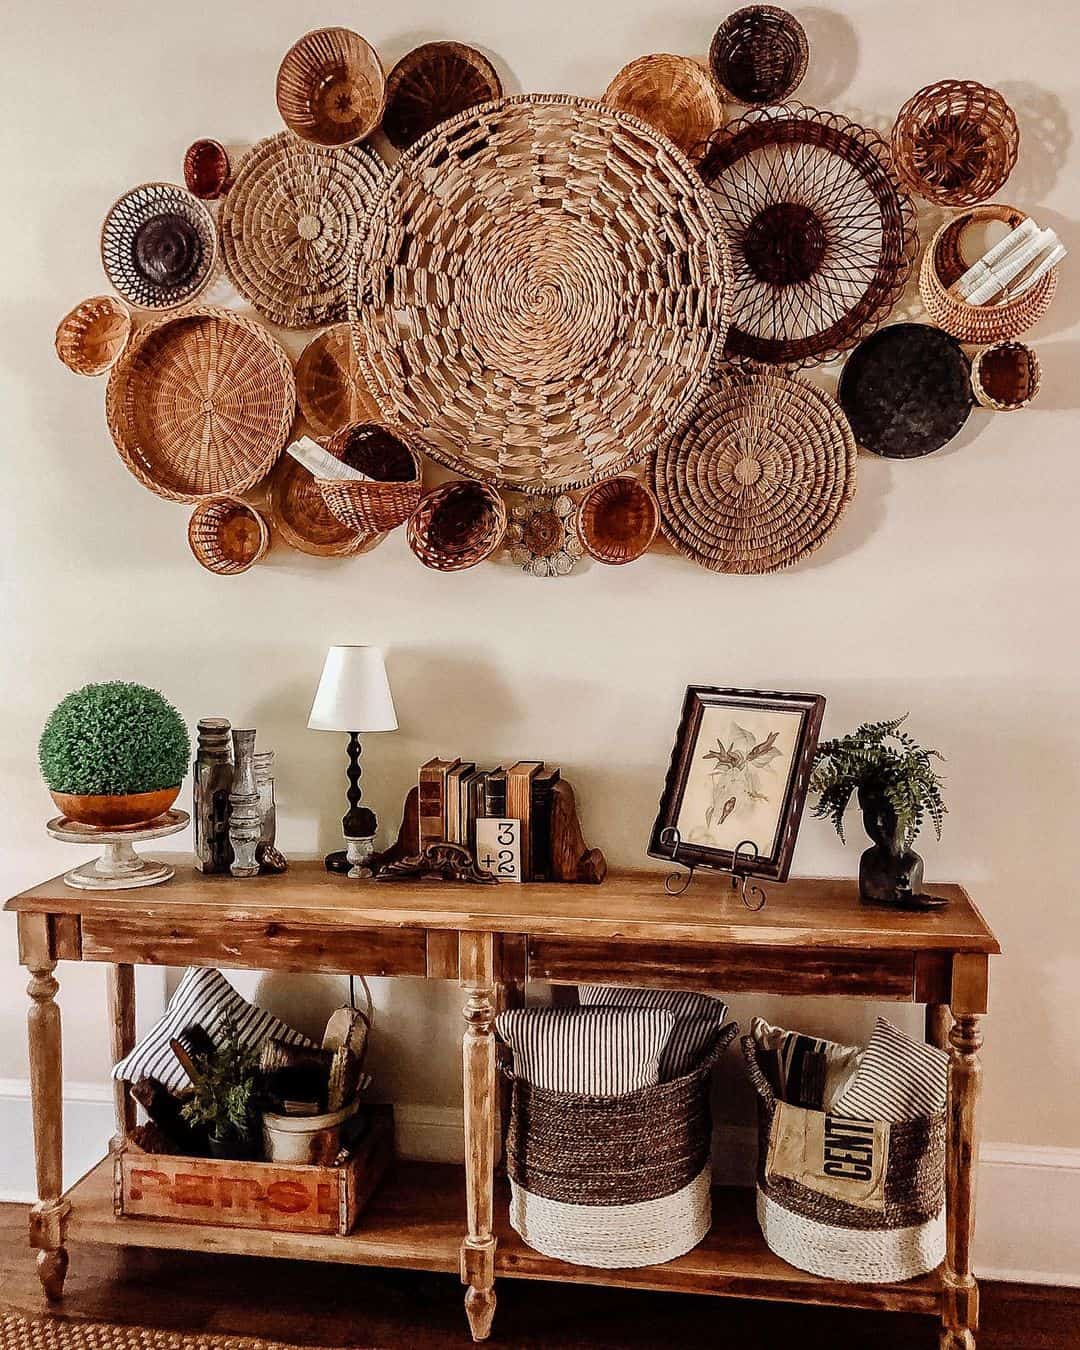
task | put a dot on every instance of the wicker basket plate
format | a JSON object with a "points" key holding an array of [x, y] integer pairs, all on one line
{"points": [[955, 142], [302, 518], [329, 387], [158, 246]]}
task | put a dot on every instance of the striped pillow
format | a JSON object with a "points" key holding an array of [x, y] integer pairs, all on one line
{"points": [[205, 998], [897, 1079], [600, 1051], [803, 1070], [699, 1019]]}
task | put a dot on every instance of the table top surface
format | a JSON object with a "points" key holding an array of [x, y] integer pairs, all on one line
{"points": [[803, 912]]}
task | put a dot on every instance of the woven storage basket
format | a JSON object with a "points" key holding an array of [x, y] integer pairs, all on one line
{"points": [[433, 82], [91, 338], [843, 1241], [613, 1181], [201, 403], [457, 526], [302, 518], [617, 520], [674, 94], [227, 536], [331, 87], [955, 142], [207, 169], [329, 386], [759, 54], [393, 466], [158, 246], [944, 264], [1006, 376]]}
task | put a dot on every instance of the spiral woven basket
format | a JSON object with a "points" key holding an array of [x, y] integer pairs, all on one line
{"points": [[944, 264], [290, 223], [674, 94], [955, 142], [760, 478], [227, 536], [617, 520], [158, 246], [91, 338], [759, 54], [207, 170], [432, 83], [551, 337], [457, 525], [302, 519], [331, 87], [201, 404], [388, 459], [329, 386], [1006, 376]]}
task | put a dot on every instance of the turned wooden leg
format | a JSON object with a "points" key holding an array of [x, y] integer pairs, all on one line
{"points": [[478, 1248], [120, 988], [938, 1022], [960, 1308]]}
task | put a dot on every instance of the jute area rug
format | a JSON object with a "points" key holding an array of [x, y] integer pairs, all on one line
{"points": [[20, 1333]]}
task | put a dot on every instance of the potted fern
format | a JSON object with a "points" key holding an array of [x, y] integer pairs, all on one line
{"points": [[897, 787], [224, 1098]]}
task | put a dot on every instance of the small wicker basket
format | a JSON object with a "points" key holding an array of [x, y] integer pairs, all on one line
{"points": [[302, 519], [207, 171], [433, 82], [618, 520], [1006, 376], [759, 55], [331, 87], [91, 338], [227, 536], [158, 246], [457, 525], [329, 387], [674, 94], [955, 142], [390, 493]]}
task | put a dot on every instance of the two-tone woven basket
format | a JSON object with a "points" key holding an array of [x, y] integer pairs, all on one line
{"points": [[616, 1181], [842, 1241]]}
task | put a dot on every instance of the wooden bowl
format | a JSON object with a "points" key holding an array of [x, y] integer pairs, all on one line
{"points": [[331, 87], [206, 170], [618, 520], [1006, 376], [457, 526], [124, 811], [91, 338], [391, 465], [227, 536]]}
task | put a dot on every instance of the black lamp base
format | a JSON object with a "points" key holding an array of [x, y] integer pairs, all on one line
{"points": [[358, 822]]}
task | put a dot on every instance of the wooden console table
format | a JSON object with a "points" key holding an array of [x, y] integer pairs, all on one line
{"points": [[813, 937]]}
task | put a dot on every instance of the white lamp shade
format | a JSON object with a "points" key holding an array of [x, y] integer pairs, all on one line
{"points": [[354, 693]]}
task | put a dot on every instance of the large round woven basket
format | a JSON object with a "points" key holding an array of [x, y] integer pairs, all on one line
{"points": [[90, 339], [226, 535], [329, 386], [761, 476], [433, 82], [290, 223], [457, 525], [201, 404], [331, 87], [558, 305], [759, 54], [955, 142], [389, 494], [303, 520], [674, 94], [158, 246]]}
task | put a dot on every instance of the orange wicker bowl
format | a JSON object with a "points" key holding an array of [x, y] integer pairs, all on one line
{"points": [[674, 94], [331, 87], [955, 142], [329, 387], [207, 170], [227, 536], [302, 518], [617, 520], [92, 337], [1006, 376], [457, 526], [392, 465]]}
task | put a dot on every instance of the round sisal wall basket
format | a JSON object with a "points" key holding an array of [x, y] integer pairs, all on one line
{"points": [[674, 94], [759, 54], [227, 536], [955, 142], [302, 518], [331, 87], [457, 525], [290, 223], [761, 476], [552, 337], [207, 169], [617, 520], [433, 82], [329, 386], [90, 339], [1006, 376], [158, 246]]}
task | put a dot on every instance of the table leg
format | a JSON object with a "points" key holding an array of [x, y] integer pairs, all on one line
{"points": [[120, 987], [938, 1022], [477, 965], [960, 1315]]}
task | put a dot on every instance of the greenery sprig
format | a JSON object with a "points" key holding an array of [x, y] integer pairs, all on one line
{"points": [[224, 1098]]}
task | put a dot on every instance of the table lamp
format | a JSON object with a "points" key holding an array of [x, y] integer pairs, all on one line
{"points": [[354, 696]]}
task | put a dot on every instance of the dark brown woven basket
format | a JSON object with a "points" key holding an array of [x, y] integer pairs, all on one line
{"points": [[207, 171], [759, 54], [433, 82], [1006, 376], [955, 142], [387, 459], [457, 525]]}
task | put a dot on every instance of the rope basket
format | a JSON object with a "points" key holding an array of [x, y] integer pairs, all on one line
{"points": [[955, 142], [91, 338], [674, 94], [432, 83], [290, 223], [331, 87], [158, 246], [843, 1241], [329, 387], [759, 54], [618, 520], [302, 518], [390, 462], [201, 404], [457, 526], [227, 536], [615, 1182], [1006, 376], [207, 170], [944, 264], [761, 477], [551, 338]]}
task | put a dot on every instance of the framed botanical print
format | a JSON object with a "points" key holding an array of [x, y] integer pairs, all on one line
{"points": [[739, 774]]}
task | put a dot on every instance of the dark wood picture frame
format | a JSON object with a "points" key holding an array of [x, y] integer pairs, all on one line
{"points": [[776, 863]]}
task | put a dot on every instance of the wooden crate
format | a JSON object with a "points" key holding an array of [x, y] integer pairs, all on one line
{"points": [[280, 1197]]}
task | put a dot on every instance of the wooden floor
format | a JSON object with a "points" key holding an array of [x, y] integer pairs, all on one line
{"points": [[335, 1306]]}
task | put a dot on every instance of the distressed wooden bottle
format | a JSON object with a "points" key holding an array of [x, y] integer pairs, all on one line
{"points": [[244, 822], [270, 857], [212, 778]]}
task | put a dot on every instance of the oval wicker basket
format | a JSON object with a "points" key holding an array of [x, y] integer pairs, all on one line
{"points": [[674, 94], [329, 386], [944, 264], [331, 87], [301, 517], [955, 142], [91, 338], [227, 536], [158, 246], [457, 525], [207, 170], [201, 404], [433, 82], [759, 55], [617, 520], [392, 465], [1006, 376]]}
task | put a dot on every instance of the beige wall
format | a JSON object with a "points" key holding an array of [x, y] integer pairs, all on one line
{"points": [[949, 590]]}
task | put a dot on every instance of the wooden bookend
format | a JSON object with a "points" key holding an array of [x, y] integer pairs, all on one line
{"points": [[407, 844], [571, 857]]}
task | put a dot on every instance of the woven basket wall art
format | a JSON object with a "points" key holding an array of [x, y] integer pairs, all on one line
{"points": [[207, 169], [1006, 376], [944, 263], [290, 223], [457, 525], [226, 535], [432, 83], [201, 404], [158, 246], [674, 94], [618, 520], [822, 238], [551, 337], [387, 457], [759, 54], [302, 518], [761, 476], [329, 386], [90, 339], [955, 142], [331, 87]]}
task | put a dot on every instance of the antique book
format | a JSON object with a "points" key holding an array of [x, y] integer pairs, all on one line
{"points": [[472, 805], [519, 785], [453, 800], [495, 793], [542, 784], [432, 800]]}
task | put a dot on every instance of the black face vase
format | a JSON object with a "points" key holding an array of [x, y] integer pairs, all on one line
{"points": [[889, 873]]}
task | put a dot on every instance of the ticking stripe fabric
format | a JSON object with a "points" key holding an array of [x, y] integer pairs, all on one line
{"points": [[598, 1051], [204, 998], [897, 1078], [699, 1019]]}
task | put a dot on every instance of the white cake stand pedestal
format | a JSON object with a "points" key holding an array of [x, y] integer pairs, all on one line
{"points": [[119, 868]]}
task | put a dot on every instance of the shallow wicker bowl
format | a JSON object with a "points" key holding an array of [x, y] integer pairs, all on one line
{"points": [[158, 246], [329, 387], [331, 87], [227, 536], [302, 518], [1006, 376], [91, 338], [433, 82], [759, 55], [206, 169], [457, 526], [618, 520], [955, 142], [388, 459], [674, 94]]}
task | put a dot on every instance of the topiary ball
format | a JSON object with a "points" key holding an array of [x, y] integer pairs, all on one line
{"points": [[112, 739]]}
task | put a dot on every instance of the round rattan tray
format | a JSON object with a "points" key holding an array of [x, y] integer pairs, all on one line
{"points": [[433, 82], [90, 339], [302, 518], [158, 246], [457, 525], [331, 87], [329, 387], [759, 54], [674, 94], [955, 142], [226, 535], [201, 404], [552, 337], [1006, 376], [761, 476]]}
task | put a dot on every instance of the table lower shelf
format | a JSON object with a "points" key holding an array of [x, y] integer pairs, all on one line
{"points": [[416, 1221]]}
